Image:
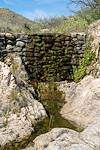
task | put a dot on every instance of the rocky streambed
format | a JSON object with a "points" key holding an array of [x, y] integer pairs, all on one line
{"points": [[61, 116], [82, 109], [22, 117]]}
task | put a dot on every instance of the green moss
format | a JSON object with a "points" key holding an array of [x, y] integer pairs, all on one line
{"points": [[80, 71]]}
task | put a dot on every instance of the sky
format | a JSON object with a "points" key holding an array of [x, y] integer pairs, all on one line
{"points": [[33, 9]]}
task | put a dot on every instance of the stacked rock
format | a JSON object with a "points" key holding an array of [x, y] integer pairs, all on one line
{"points": [[46, 56]]}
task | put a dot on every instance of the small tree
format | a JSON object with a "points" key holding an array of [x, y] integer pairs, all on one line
{"points": [[93, 4], [90, 9], [27, 27]]}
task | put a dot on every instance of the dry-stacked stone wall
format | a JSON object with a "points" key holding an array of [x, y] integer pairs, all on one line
{"points": [[47, 57]]}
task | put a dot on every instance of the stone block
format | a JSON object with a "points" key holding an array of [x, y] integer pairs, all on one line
{"points": [[20, 44]]}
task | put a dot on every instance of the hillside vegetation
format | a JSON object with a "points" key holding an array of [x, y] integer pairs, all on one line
{"points": [[79, 22], [66, 24], [10, 21]]}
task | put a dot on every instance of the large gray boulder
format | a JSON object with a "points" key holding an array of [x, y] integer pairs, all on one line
{"points": [[66, 139], [94, 34], [82, 105], [19, 111]]}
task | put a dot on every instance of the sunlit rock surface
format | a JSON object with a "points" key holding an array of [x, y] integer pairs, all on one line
{"points": [[82, 105], [19, 111], [66, 139]]}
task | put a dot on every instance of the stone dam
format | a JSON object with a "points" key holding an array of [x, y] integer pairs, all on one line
{"points": [[46, 56]]}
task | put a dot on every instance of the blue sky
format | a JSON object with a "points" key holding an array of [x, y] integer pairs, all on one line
{"points": [[39, 8]]}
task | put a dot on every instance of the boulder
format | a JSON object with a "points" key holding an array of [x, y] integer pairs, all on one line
{"points": [[94, 70], [94, 29], [19, 111], [16, 66], [94, 33], [82, 105], [67, 139]]}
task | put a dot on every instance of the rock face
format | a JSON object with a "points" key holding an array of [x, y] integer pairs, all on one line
{"points": [[19, 111], [66, 139], [16, 66], [94, 29], [82, 102], [94, 33], [94, 70]]}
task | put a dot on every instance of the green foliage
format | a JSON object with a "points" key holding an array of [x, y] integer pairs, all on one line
{"points": [[64, 24], [12, 22], [71, 24], [89, 9], [89, 15], [52, 22], [80, 71], [76, 23]]}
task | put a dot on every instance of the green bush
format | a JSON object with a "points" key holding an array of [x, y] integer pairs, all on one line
{"points": [[89, 15], [80, 71], [71, 24]]}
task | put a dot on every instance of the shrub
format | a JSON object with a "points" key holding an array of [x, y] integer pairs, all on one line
{"points": [[80, 71]]}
